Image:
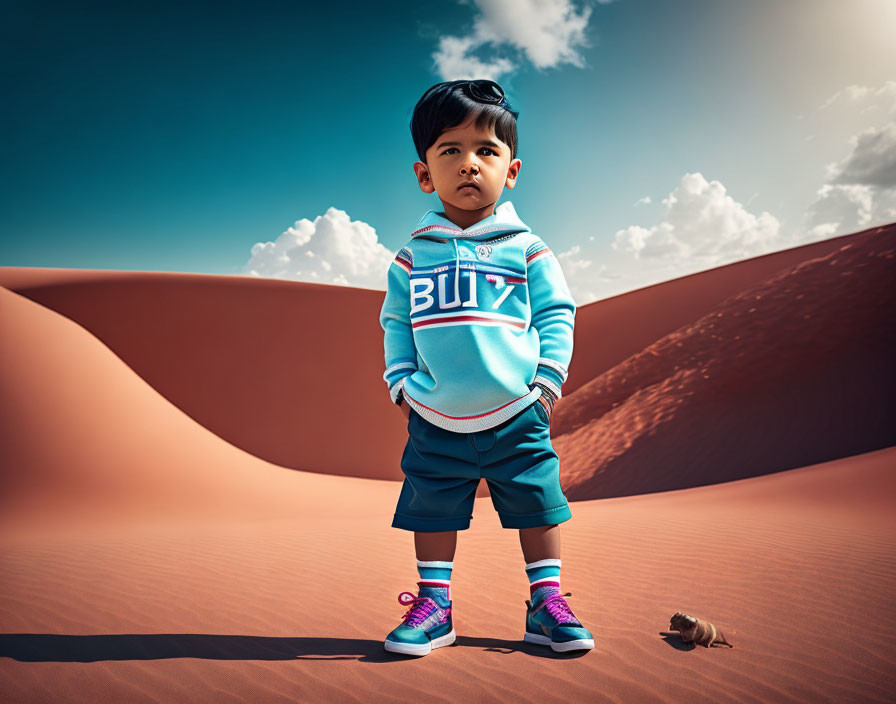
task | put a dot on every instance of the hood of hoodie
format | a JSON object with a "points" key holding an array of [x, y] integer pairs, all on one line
{"points": [[503, 221]]}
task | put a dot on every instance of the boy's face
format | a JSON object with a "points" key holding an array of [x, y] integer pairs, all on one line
{"points": [[465, 154]]}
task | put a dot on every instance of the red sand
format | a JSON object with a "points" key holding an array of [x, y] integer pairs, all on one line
{"points": [[146, 557]]}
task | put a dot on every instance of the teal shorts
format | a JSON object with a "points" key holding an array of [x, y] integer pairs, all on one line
{"points": [[442, 470]]}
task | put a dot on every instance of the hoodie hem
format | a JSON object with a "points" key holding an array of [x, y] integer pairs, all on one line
{"points": [[482, 421]]}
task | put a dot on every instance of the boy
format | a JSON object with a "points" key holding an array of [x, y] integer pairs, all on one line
{"points": [[478, 334]]}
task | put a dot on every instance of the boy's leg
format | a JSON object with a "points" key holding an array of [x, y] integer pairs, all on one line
{"points": [[428, 623], [549, 620], [541, 550], [540, 543], [438, 545]]}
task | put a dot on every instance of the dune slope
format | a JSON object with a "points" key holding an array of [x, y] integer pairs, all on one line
{"points": [[795, 370], [82, 435]]}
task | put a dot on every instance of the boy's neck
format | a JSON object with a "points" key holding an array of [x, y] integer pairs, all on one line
{"points": [[466, 218]]}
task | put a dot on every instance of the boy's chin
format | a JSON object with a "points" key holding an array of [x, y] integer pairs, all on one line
{"points": [[471, 203]]}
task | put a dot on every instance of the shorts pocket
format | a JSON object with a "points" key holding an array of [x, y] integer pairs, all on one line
{"points": [[541, 412]]}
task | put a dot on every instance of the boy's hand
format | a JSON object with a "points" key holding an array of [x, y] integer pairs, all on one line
{"points": [[405, 408], [547, 399]]}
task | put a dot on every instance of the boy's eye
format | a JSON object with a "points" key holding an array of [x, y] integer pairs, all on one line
{"points": [[488, 149]]}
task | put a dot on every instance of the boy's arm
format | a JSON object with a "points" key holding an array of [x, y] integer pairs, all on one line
{"points": [[553, 315], [395, 319]]}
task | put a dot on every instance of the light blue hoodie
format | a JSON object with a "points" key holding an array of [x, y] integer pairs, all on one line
{"points": [[473, 318]]}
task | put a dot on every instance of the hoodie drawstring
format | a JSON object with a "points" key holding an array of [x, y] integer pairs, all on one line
{"points": [[456, 271]]}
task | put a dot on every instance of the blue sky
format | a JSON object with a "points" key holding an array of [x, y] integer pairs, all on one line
{"points": [[658, 138]]}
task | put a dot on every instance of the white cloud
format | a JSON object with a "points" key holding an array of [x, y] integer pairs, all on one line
{"points": [[872, 161], [823, 231], [860, 190], [702, 225], [840, 208], [332, 249], [453, 61], [643, 201], [883, 96], [547, 32], [843, 208], [586, 283]]}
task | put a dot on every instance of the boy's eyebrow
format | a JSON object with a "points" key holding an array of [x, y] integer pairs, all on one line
{"points": [[484, 142]]}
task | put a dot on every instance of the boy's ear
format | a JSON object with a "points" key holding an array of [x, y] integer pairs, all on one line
{"points": [[423, 177], [513, 172]]}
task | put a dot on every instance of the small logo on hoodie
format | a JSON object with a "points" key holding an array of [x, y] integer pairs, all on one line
{"points": [[484, 251]]}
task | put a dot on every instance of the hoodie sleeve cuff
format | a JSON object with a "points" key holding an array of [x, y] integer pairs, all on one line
{"points": [[549, 398], [551, 374], [396, 392], [395, 375]]}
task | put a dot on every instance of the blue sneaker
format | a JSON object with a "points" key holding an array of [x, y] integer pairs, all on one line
{"points": [[550, 621], [426, 624]]}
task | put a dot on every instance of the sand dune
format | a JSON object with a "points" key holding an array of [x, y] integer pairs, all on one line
{"points": [[246, 358], [243, 356], [618, 327], [83, 436], [146, 556], [797, 369]]}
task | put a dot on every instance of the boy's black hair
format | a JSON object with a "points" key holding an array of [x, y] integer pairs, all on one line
{"points": [[447, 105]]}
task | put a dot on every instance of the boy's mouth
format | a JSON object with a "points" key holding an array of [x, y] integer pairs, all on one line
{"points": [[468, 185]]}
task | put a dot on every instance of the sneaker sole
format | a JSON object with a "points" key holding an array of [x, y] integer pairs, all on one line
{"points": [[580, 644], [420, 649]]}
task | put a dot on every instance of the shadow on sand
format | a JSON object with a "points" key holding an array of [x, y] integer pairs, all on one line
{"points": [[48, 647]]}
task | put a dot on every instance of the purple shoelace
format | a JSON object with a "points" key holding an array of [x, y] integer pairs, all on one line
{"points": [[558, 608], [421, 607]]}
